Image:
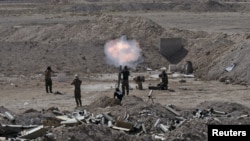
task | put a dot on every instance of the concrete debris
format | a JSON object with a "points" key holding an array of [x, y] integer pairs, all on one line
{"points": [[107, 117], [242, 116], [9, 116], [148, 69], [13, 129], [157, 122], [110, 124], [144, 128], [33, 133], [74, 120], [151, 120], [181, 123], [120, 128], [217, 112], [198, 113], [164, 128], [173, 111], [159, 137], [57, 112], [2, 115]]}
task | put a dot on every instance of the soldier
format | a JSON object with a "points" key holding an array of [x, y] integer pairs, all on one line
{"points": [[48, 80], [118, 94], [138, 80], [125, 80], [188, 67], [77, 83], [164, 80]]}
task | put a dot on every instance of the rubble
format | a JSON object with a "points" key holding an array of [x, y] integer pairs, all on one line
{"points": [[133, 119]]}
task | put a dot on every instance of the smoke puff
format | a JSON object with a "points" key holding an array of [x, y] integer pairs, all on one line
{"points": [[121, 52]]}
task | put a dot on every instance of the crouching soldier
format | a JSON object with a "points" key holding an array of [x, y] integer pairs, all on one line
{"points": [[118, 94], [139, 80], [164, 80]]}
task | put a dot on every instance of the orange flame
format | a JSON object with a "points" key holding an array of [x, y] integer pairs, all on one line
{"points": [[122, 52]]}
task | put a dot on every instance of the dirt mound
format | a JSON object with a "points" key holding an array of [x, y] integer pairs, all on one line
{"points": [[210, 53], [234, 109], [84, 49], [103, 102], [214, 6]]}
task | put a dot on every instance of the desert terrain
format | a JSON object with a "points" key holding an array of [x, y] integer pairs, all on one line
{"points": [[70, 36]]}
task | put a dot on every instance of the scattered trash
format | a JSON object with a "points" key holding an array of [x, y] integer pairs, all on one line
{"points": [[149, 69], [33, 133], [230, 68], [151, 120]]}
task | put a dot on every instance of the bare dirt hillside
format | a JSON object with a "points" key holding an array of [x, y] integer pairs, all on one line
{"points": [[78, 47]]}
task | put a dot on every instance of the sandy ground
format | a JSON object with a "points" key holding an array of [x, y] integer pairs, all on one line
{"points": [[21, 95], [228, 22]]}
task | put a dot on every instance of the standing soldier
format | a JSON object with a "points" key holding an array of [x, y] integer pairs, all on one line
{"points": [[77, 83], [48, 80], [125, 81]]}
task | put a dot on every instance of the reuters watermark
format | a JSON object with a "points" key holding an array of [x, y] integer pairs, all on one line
{"points": [[223, 132]]}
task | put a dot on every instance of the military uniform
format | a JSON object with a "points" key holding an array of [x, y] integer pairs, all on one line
{"points": [[138, 80], [48, 80], [77, 83], [125, 80], [118, 94], [164, 80]]}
